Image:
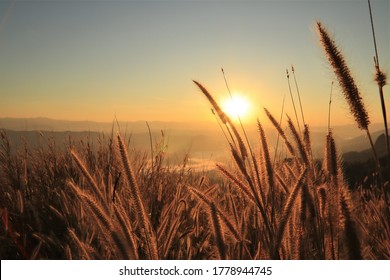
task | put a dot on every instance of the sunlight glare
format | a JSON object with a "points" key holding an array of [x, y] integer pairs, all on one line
{"points": [[237, 106]]}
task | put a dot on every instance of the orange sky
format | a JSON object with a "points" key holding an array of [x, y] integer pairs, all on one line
{"points": [[94, 60]]}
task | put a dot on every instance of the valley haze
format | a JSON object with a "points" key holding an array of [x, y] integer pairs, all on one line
{"points": [[202, 141]]}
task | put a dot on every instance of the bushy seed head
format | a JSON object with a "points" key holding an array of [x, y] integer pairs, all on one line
{"points": [[346, 81]]}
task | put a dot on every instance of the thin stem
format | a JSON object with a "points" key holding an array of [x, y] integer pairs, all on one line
{"points": [[330, 103], [151, 144], [220, 126], [299, 96], [373, 33], [376, 158], [380, 85], [280, 123], [373, 147], [384, 114], [292, 100]]}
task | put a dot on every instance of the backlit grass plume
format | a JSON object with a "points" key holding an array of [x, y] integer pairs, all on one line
{"points": [[348, 85], [221, 114], [346, 81], [144, 219]]}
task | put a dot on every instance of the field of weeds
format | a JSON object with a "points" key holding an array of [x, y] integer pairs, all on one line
{"points": [[114, 202]]}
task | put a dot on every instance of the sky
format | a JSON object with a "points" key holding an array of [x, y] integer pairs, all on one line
{"points": [[135, 60]]}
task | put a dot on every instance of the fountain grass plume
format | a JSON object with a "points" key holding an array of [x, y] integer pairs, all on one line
{"points": [[281, 133], [287, 210], [222, 216], [352, 241], [224, 118], [348, 86], [346, 81], [144, 219]]}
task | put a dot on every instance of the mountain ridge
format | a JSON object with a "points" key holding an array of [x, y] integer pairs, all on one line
{"points": [[184, 135]]}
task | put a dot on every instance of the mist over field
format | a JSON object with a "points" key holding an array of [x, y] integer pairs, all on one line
{"points": [[200, 140]]}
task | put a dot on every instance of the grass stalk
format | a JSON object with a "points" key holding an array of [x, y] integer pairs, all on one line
{"points": [[151, 145], [280, 123], [238, 116], [299, 95], [348, 86], [144, 219], [226, 120], [287, 210], [218, 232], [292, 99], [330, 104], [281, 133], [203, 198], [380, 78], [349, 229]]}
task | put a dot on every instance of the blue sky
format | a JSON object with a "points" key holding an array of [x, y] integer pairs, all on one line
{"points": [[93, 60]]}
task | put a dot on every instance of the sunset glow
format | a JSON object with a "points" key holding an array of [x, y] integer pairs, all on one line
{"points": [[236, 106], [134, 60]]}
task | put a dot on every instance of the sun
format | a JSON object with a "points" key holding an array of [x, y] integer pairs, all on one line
{"points": [[236, 106]]}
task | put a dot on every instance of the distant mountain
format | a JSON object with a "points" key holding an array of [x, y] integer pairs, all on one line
{"points": [[359, 143], [364, 155], [200, 139], [177, 144], [34, 139], [31, 124]]}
